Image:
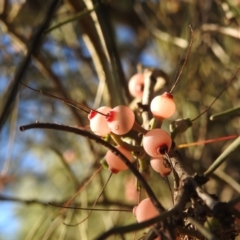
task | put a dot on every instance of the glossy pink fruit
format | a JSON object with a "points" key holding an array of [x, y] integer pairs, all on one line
{"points": [[145, 210], [163, 106], [120, 119], [156, 142], [115, 164], [136, 85], [158, 165], [98, 122]]}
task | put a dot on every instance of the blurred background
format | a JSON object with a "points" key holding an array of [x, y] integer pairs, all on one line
{"points": [[89, 59]]}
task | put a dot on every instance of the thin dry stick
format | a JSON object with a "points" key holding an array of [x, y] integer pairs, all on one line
{"points": [[71, 174], [185, 60], [93, 209], [131, 167], [207, 141], [97, 139], [80, 189], [225, 87], [137, 226], [71, 103], [73, 225]]}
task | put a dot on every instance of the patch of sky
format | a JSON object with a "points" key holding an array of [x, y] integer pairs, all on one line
{"points": [[4, 82], [68, 52], [10, 50], [28, 162], [149, 57], [8, 43], [64, 53], [125, 66], [41, 109], [3, 140], [62, 111], [59, 68], [125, 34], [5, 39], [73, 64], [52, 47], [9, 224], [33, 163], [29, 111], [35, 135]]}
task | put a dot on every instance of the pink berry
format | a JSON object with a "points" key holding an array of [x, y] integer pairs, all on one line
{"points": [[115, 164], [163, 106], [156, 142], [134, 211], [131, 192], [98, 123], [145, 210], [136, 85], [158, 165], [120, 119]]}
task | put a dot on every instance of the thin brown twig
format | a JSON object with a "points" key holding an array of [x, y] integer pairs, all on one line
{"points": [[94, 204], [104, 202], [225, 87], [85, 183], [92, 208], [185, 60], [105, 144]]}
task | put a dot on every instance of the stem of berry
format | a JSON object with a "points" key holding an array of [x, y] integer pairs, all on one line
{"points": [[117, 139], [139, 128], [148, 91], [155, 123], [143, 166]]}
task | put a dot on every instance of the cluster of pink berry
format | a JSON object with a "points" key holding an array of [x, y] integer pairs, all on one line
{"points": [[155, 142], [121, 119]]}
